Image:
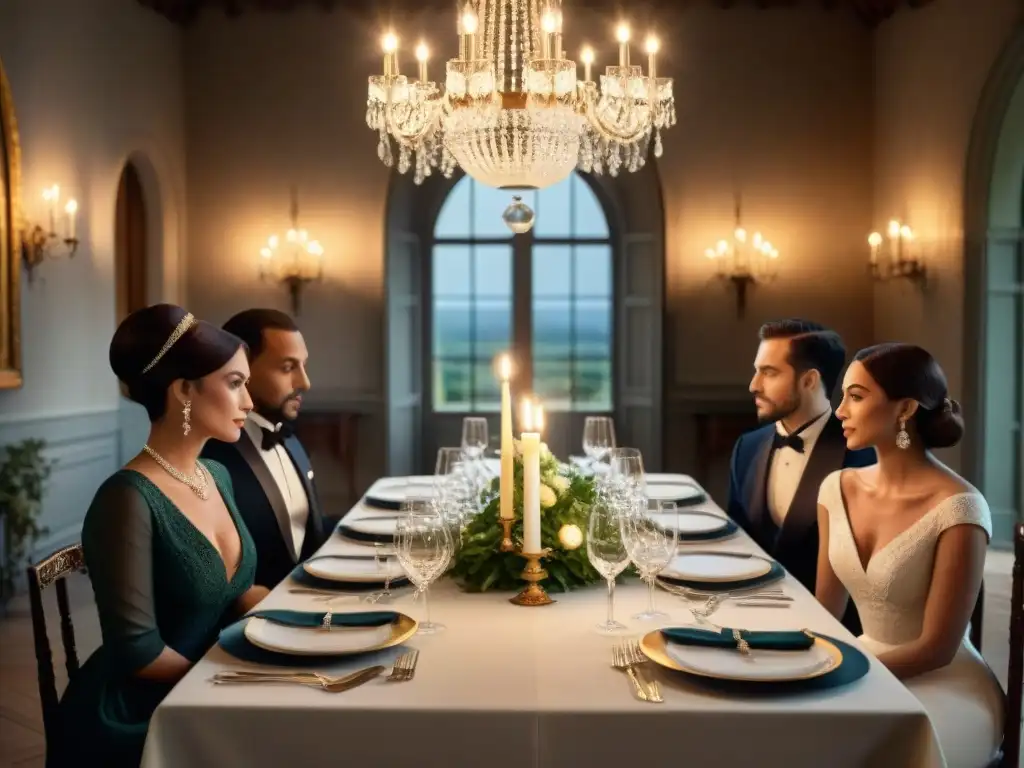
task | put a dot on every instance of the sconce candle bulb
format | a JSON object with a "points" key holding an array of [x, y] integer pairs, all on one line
{"points": [[743, 263], [39, 243], [895, 256], [298, 262]]}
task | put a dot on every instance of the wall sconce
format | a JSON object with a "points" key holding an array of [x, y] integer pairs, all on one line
{"points": [[896, 255], [293, 260], [39, 244], [744, 260]]}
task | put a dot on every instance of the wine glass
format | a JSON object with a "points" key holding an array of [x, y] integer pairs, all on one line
{"points": [[607, 553], [474, 436], [651, 532], [626, 473], [598, 438], [424, 549]]}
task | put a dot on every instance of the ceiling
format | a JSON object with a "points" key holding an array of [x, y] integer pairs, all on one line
{"points": [[185, 11]]}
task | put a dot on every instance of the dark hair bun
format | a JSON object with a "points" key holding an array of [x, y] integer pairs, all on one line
{"points": [[198, 352], [941, 427]]}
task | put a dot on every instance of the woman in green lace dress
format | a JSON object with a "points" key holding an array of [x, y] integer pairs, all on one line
{"points": [[170, 560]]}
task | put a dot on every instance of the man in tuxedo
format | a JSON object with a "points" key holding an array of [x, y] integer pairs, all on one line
{"points": [[269, 469], [777, 469]]}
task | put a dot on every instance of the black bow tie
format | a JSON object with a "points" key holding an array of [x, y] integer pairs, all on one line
{"points": [[794, 441], [276, 436]]}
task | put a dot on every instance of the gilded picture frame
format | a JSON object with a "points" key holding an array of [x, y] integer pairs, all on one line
{"points": [[10, 241]]}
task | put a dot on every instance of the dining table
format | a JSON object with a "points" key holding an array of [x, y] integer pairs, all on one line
{"points": [[511, 686]]}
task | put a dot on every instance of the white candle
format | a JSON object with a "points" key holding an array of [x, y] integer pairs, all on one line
{"points": [[390, 46], [507, 449], [652, 54], [71, 209], [422, 53], [531, 484], [587, 56], [622, 34]]}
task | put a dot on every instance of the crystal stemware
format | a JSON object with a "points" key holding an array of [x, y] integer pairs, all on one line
{"points": [[606, 551], [651, 533], [424, 548]]}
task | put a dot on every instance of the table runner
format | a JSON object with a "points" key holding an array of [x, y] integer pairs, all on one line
{"points": [[510, 687]]}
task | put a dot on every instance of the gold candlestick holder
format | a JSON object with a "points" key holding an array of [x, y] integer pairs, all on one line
{"points": [[506, 539], [533, 573]]}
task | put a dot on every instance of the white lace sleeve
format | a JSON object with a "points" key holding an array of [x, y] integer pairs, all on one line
{"points": [[965, 509]]}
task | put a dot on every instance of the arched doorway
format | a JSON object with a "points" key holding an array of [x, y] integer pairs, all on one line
{"points": [[578, 301], [994, 293], [131, 260]]}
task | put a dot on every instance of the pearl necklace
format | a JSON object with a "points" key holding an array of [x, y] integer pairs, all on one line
{"points": [[199, 482]]}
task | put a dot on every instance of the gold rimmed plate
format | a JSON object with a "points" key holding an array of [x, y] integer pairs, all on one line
{"points": [[339, 641], [759, 666]]}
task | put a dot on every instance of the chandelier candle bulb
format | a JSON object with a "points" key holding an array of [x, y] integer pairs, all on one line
{"points": [[622, 35], [652, 54], [547, 25], [587, 57], [469, 26], [390, 46], [530, 442], [559, 53], [422, 54]]}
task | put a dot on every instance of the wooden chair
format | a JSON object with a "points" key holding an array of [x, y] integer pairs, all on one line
{"points": [[53, 570], [1015, 675]]}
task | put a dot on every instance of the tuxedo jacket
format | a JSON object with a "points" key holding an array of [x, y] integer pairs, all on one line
{"points": [[263, 508], [795, 544]]}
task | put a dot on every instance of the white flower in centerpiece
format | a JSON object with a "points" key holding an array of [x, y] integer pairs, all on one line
{"points": [[548, 498], [545, 452], [570, 536], [560, 484]]}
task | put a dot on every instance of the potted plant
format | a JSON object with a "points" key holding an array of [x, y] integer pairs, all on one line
{"points": [[24, 471]]}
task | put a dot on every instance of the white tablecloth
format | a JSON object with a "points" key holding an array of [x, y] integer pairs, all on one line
{"points": [[508, 686]]}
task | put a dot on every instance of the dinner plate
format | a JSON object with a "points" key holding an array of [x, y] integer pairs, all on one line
{"points": [[340, 641], [682, 493], [713, 567], [729, 664], [690, 523], [390, 492], [353, 569], [379, 526]]}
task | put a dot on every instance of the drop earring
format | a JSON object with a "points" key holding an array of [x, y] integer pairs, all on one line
{"points": [[186, 412], [902, 438]]}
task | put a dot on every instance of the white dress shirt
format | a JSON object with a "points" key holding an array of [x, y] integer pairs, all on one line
{"points": [[283, 470], [787, 467]]}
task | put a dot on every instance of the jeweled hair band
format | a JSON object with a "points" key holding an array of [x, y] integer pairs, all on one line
{"points": [[186, 322]]}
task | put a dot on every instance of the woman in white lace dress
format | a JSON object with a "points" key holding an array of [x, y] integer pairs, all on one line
{"points": [[906, 539]]}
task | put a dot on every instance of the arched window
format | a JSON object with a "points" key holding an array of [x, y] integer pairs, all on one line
{"points": [[555, 313]]}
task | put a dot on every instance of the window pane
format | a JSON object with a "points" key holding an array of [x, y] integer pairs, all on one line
{"points": [[486, 387], [451, 385], [492, 271], [493, 329], [451, 270], [552, 382], [551, 331], [588, 215], [593, 384], [552, 270], [593, 274], [553, 211], [452, 328], [593, 329], [488, 205], [453, 221]]}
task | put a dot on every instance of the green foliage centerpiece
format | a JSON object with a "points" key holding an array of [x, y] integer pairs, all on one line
{"points": [[565, 500]]}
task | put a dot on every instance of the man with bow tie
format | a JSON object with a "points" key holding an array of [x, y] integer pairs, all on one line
{"points": [[777, 469], [270, 471]]}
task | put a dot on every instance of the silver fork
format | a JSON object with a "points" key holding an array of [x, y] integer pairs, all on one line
{"points": [[405, 667], [619, 662], [636, 657]]}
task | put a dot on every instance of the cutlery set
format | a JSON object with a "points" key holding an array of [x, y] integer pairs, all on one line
{"points": [[403, 670], [628, 657]]}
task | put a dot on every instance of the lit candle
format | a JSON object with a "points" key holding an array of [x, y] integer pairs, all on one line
{"points": [[874, 240], [52, 197], [390, 46], [71, 209], [422, 53], [622, 35], [559, 53], [587, 57], [652, 55], [469, 24], [895, 247], [531, 482], [547, 25], [507, 448]]}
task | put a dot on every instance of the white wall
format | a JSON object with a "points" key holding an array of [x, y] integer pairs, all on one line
{"points": [[93, 82]]}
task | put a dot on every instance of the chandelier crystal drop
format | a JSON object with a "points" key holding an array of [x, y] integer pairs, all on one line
{"points": [[513, 113]]}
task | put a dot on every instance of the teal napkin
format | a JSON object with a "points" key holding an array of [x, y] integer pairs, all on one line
{"points": [[316, 619], [768, 641]]}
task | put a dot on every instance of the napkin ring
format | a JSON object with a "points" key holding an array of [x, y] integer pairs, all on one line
{"points": [[741, 644], [326, 626]]}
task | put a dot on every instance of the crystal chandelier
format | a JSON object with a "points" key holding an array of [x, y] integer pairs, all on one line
{"points": [[512, 113]]}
